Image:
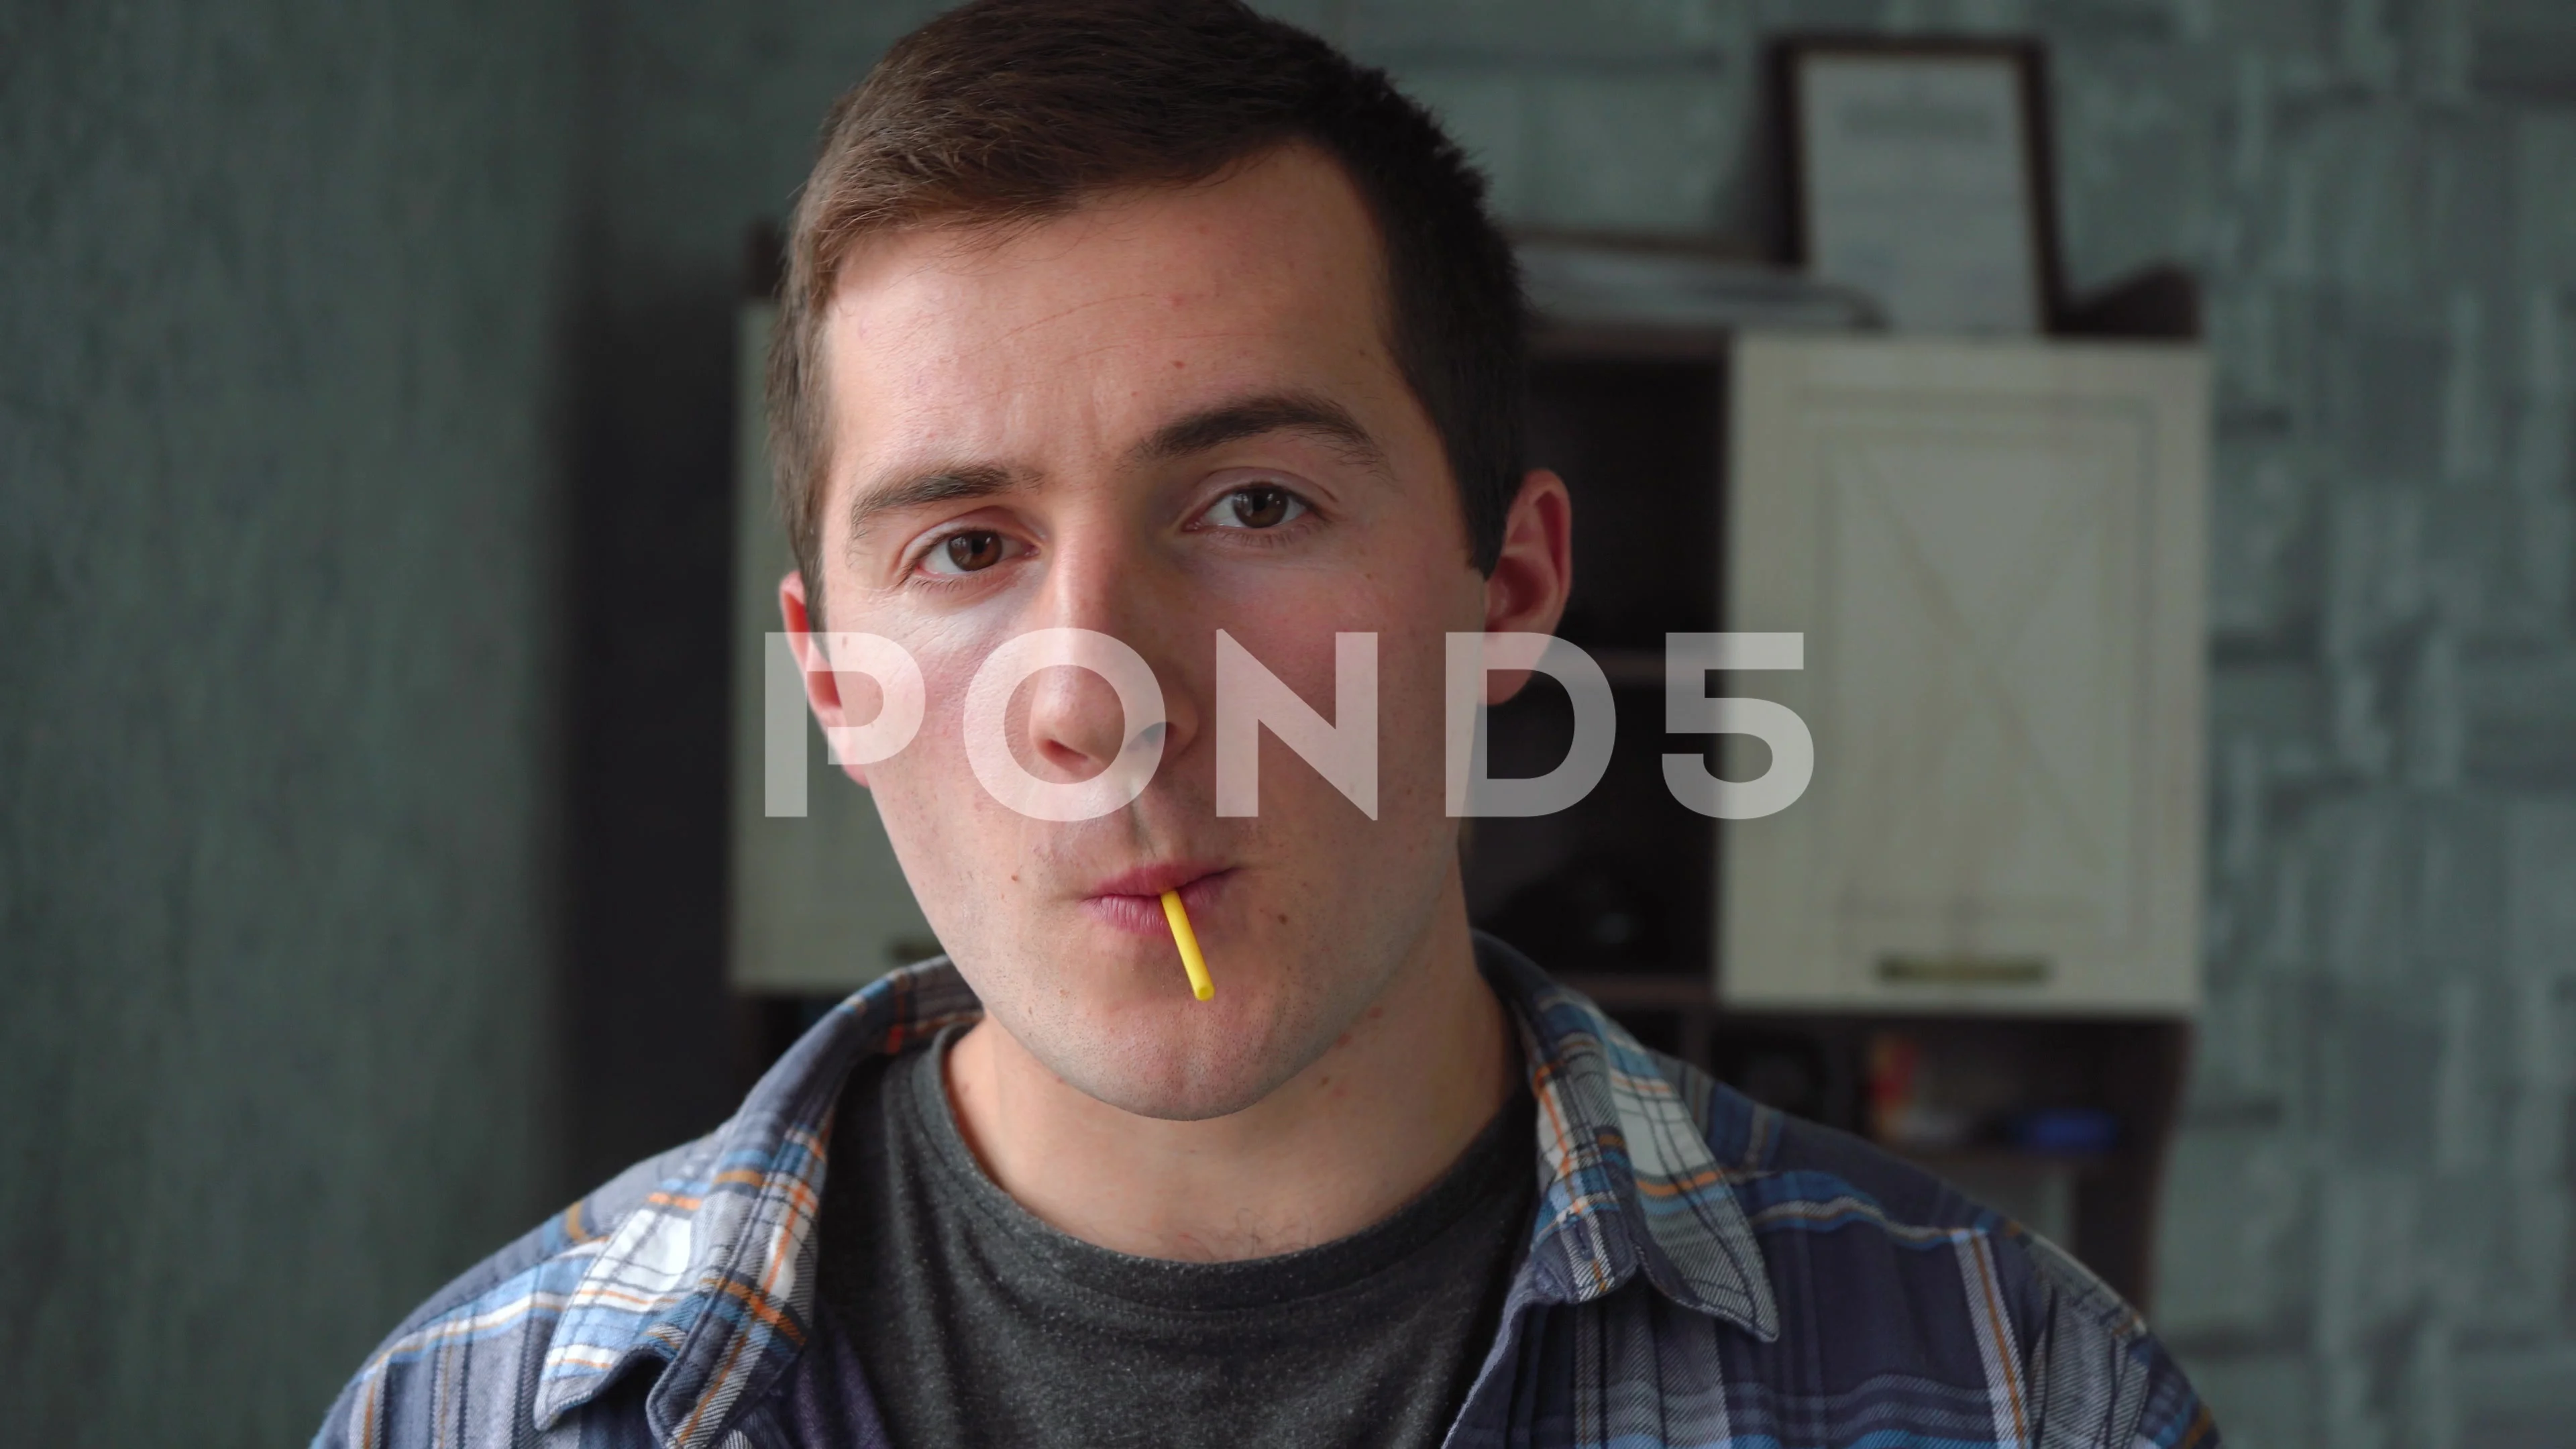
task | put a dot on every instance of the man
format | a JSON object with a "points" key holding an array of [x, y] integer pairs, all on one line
{"points": [[1159, 320]]}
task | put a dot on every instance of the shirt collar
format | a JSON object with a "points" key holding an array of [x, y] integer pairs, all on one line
{"points": [[1629, 1183], [713, 1272]]}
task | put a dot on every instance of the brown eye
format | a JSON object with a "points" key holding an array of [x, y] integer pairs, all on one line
{"points": [[1252, 507], [966, 553], [1261, 507]]}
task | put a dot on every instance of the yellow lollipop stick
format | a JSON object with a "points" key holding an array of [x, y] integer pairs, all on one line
{"points": [[1192, 960]]}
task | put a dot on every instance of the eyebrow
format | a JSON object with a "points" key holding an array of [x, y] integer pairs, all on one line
{"points": [[949, 483], [1251, 417]]}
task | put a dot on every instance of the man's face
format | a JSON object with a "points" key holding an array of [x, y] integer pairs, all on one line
{"points": [[1164, 414]]}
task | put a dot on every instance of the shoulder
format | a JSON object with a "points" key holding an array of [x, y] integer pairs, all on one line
{"points": [[466, 1367], [1855, 1239], [698, 1261]]}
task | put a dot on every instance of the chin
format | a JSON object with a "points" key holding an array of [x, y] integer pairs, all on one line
{"points": [[1187, 1061]]}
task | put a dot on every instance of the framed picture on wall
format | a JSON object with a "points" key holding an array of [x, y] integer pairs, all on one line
{"points": [[1918, 172]]}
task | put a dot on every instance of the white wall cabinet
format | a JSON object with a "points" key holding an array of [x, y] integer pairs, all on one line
{"points": [[1995, 552]]}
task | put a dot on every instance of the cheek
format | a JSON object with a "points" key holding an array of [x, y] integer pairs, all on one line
{"points": [[936, 814], [948, 651], [1410, 610]]}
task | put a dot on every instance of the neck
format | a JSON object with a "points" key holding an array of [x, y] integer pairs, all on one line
{"points": [[1319, 1159]]}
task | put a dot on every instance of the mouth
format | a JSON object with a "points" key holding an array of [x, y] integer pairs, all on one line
{"points": [[1132, 901]]}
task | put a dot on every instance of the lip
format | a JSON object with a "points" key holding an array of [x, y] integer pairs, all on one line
{"points": [[1132, 900], [1153, 880]]}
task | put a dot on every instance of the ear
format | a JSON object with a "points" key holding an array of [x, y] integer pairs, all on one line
{"points": [[814, 664], [1525, 594]]}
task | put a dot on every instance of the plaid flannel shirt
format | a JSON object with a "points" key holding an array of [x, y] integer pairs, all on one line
{"points": [[1702, 1271]]}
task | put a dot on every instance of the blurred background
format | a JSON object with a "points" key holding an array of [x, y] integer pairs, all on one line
{"points": [[367, 397]]}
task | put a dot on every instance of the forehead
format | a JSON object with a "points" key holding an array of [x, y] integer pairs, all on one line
{"points": [[1092, 327]]}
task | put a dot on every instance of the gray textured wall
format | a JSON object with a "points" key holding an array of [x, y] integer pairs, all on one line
{"points": [[283, 300], [296, 311]]}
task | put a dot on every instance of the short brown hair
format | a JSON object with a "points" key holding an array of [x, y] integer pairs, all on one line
{"points": [[1003, 112]]}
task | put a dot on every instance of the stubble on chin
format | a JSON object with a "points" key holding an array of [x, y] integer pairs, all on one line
{"points": [[1183, 1063]]}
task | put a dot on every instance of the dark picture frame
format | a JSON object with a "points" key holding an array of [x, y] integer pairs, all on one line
{"points": [[1814, 237]]}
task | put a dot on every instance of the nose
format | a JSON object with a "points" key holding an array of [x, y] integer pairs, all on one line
{"points": [[1076, 725]]}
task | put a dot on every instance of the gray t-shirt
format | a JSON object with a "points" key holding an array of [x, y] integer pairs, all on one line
{"points": [[976, 1324]]}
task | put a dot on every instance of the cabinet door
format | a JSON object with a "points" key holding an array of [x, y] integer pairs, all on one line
{"points": [[818, 903], [1994, 551]]}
